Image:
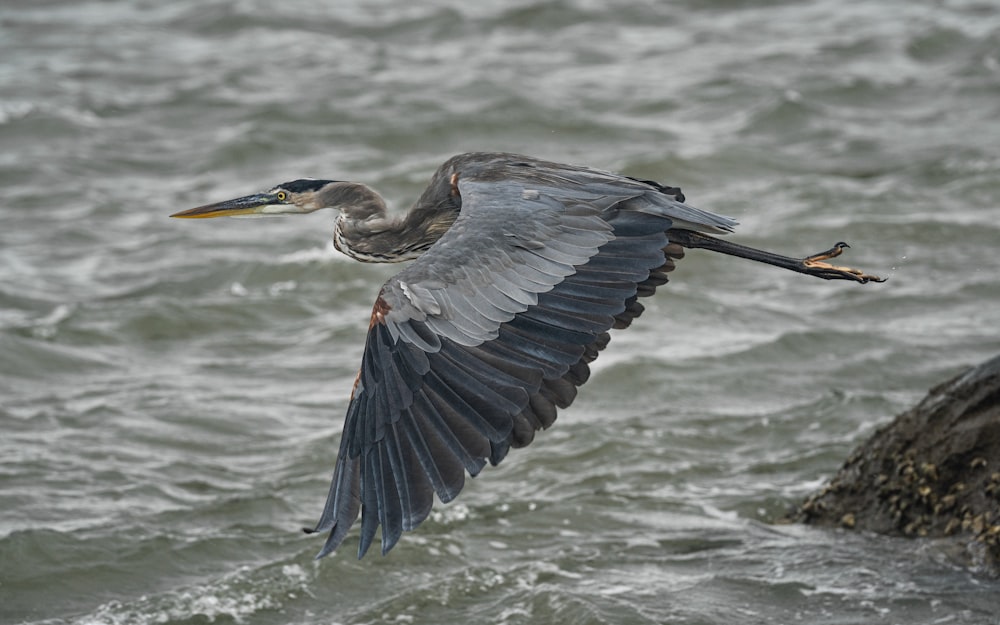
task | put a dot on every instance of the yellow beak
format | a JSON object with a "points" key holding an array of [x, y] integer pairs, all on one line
{"points": [[257, 204]]}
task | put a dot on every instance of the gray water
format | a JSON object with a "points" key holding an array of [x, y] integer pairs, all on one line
{"points": [[172, 392]]}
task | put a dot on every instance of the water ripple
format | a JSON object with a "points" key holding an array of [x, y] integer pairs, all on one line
{"points": [[172, 392]]}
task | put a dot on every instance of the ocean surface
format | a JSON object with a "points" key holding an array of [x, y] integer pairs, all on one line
{"points": [[172, 392]]}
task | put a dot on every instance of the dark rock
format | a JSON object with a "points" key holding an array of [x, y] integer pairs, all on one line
{"points": [[933, 472]]}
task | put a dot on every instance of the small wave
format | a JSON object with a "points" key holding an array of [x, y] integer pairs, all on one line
{"points": [[46, 327], [10, 111], [237, 596], [17, 111], [323, 254]]}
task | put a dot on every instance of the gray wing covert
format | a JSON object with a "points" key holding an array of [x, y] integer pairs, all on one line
{"points": [[469, 346]]}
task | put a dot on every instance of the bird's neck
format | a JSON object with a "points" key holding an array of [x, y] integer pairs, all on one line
{"points": [[366, 233], [359, 240]]}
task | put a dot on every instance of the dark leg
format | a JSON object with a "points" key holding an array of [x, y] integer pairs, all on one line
{"points": [[810, 265]]}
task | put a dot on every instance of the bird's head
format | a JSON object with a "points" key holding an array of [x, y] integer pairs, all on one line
{"points": [[296, 197], [363, 231]]}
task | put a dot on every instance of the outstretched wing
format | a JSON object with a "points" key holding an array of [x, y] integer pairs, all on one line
{"points": [[472, 347]]}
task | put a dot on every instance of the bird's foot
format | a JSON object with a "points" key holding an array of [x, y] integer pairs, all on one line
{"points": [[814, 265]]}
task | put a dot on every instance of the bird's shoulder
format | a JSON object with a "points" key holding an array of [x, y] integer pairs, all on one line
{"points": [[520, 168], [502, 181]]}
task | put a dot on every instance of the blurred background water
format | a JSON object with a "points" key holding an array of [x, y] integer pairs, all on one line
{"points": [[172, 393]]}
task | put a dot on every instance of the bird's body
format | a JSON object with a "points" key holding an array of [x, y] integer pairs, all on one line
{"points": [[521, 267]]}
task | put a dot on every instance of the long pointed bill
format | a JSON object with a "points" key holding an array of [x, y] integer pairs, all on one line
{"points": [[257, 204]]}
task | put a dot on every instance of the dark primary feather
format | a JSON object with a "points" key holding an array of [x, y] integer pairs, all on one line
{"points": [[474, 346]]}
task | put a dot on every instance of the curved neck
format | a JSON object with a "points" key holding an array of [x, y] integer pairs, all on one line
{"points": [[366, 233]]}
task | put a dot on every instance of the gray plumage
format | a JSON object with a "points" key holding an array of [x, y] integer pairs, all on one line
{"points": [[522, 267]]}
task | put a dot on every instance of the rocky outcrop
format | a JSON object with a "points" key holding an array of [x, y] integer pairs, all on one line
{"points": [[933, 472]]}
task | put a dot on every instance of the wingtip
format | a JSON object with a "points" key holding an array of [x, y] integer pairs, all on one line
{"points": [[333, 540], [365, 544], [324, 552], [362, 550], [329, 547]]}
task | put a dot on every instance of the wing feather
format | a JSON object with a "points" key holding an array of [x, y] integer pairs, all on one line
{"points": [[440, 463], [371, 497], [390, 509], [460, 433]]}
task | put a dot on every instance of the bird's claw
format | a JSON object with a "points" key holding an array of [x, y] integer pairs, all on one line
{"points": [[816, 266]]}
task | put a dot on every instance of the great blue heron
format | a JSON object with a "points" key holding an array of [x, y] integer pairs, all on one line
{"points": [[521, 267]]}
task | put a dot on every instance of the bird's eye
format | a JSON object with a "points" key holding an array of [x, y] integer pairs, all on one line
{"points": [[281, 195]]}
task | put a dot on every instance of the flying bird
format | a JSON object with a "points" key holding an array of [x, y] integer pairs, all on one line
{"points": [[521, 267]]}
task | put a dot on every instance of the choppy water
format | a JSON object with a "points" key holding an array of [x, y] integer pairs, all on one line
{"points": [[171, 393]]}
